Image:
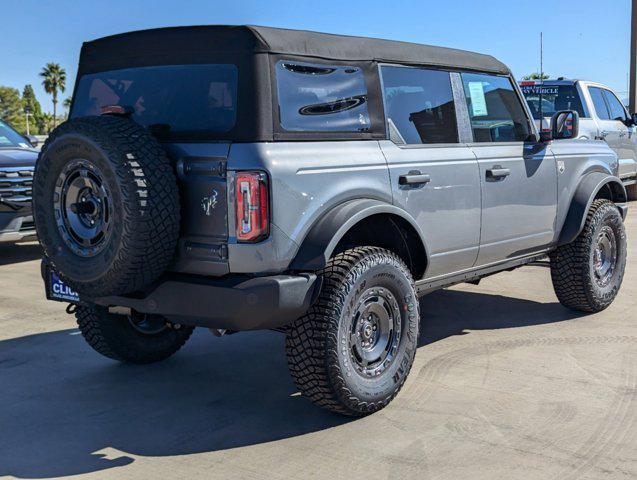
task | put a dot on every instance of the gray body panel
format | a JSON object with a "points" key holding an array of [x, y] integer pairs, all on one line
{"points": [[576, 159], [307, 179], [447, 209], [518, 210]]}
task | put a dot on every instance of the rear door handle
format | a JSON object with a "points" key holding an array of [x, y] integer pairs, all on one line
{"points": [[498, 172], [414, 178]]}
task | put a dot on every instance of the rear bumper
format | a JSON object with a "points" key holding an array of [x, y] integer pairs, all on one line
{"points": [[17, 226], [234, 303]]}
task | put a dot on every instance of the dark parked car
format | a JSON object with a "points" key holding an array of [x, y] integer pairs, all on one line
{"points": [[17, 162]]}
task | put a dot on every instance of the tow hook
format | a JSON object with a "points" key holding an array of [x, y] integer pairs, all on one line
{"points": [[71, 308]]}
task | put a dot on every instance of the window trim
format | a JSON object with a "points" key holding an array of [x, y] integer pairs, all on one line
{"points": [[384, 103]]}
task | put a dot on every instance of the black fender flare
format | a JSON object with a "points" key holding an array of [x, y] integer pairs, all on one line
{"points": [[586, 191], [323, 237]]}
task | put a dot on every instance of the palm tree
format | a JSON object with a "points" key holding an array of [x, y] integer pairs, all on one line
{"points": [[54, 81], [67, 103], [47, 121]]}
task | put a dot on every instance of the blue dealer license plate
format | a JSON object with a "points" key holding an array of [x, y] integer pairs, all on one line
{"points": [[58, 290]]}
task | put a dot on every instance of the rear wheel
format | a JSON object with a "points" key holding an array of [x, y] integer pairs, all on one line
{"points": [[136, 338], [352, 351], [588, 272]]}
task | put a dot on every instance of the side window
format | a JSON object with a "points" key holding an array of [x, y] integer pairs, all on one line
{"points": [[321, 98], [495, 110], [617, 111], [419, 105], [599, 103]]}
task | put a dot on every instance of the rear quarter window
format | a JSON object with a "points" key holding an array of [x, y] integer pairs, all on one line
{"points": [[171, 100], [321, 98]]}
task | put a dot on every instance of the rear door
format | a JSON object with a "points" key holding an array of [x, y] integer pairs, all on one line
{"points": [[518, 177], [433, 176], [611, 130], [626, 147]]}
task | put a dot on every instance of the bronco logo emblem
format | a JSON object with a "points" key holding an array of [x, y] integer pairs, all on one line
{"points": [[209, 203]]}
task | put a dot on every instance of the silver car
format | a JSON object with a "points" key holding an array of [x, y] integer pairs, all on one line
{"points": [[602, 117]]}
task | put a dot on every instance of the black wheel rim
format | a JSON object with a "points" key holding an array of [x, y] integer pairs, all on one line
{"points": [[147, 323], [605, 256], [83, 208], [375, 332]]}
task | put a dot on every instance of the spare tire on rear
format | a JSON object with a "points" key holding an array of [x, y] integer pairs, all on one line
{"points": [[106, 205]]}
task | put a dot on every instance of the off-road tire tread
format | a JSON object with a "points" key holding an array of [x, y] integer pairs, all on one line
{"points": [[93, 329], [569, 263], [310, 359], [151, 231]]}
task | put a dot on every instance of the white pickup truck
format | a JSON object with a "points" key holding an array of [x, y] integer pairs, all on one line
{"points": [[602, 117]]}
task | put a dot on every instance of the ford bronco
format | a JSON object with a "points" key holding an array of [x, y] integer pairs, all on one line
{"points": [[242, 178]]}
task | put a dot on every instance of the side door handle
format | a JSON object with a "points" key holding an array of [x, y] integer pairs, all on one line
{"points": [[414, 178], [498, 172]]}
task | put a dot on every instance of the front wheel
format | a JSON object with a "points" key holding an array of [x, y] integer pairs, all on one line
{"points": [[588, 272], [352, 351], [136, 338]]}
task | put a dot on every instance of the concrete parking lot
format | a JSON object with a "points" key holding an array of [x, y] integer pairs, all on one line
{"points": [[507, 384]]}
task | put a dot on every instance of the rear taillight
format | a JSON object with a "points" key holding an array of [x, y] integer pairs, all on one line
{"points": [[252, 206]]}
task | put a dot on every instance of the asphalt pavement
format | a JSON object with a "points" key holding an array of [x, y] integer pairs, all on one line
{"points": [[507, 384]]}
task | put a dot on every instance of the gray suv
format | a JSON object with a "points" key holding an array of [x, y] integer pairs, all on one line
{"points": [[242, 178]]}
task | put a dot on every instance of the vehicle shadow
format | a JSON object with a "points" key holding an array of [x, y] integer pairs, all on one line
{"points": [[67, 411], [453, 312], [18, 253]]}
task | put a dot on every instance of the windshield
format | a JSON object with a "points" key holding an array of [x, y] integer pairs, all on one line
{"points": [[10, 138], [554, 99], [172, 100]]}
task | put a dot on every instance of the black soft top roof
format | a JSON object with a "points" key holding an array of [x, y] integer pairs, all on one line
{"points": [[198, 43]]}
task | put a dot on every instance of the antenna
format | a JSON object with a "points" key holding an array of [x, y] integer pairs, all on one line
{"points": [[542, 56], [541, 79]]}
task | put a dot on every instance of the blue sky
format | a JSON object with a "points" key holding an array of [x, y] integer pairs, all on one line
{"points": [[581, 39]]}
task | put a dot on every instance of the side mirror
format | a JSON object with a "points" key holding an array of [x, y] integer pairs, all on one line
{"points": [[33, 140], [565, 125]]}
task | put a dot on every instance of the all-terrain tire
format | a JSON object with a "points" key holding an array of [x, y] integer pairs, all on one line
{"points": [[319, 357], [573, 265], [140, 205], [115, 336]]}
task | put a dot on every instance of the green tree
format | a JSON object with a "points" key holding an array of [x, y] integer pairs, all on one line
{"points": [[54, 81], [11, 108], [47, 121], [536, 76], [36, 124]]}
